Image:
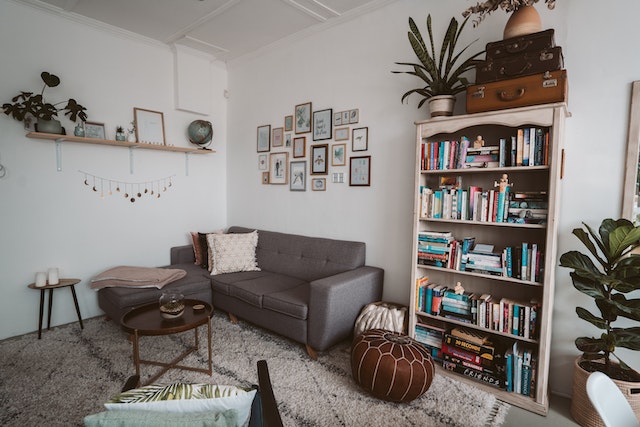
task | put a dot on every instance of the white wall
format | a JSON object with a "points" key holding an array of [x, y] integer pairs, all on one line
{"points": [[50, 218], [349, 66]]}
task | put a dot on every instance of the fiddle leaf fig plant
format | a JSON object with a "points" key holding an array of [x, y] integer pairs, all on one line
{"points": [[26, 103], [441, 72], [609, 284]]}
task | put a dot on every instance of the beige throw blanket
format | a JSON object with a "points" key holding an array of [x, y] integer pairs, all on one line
{"points": [[136, 277]]}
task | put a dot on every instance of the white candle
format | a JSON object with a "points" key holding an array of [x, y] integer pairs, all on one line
{"points": [[53, 276], [41, 279]]}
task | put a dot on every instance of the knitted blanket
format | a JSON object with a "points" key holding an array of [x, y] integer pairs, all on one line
{"points": [[136, 277]]}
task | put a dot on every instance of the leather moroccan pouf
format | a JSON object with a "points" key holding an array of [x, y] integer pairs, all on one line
{"points": [[391, 365]]}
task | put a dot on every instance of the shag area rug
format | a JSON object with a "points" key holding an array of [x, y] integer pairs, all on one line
{"points": [[70, 373]]}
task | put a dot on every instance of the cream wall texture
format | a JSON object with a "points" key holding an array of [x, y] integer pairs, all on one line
{"points": [[344, 66]]}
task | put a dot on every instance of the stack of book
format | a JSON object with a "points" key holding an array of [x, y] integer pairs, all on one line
{"points": [[520, 370], [434, 248], [482, 157], [459, 307], [430, 336], [472, 354], [528, 207]]}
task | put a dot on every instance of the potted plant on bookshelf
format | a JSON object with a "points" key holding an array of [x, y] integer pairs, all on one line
{"points": [[441, 73], [617, 275], [29, 105]]}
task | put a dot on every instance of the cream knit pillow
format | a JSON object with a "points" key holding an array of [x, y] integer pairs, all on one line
{"points": [[233, 252]]}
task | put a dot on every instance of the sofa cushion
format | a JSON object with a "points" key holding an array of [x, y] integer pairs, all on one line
{"points": [[222, 283], [252, 290], [292, 302], [233, 252]]}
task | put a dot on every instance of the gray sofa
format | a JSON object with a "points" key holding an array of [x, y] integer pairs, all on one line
{"points": [[309, 289]]}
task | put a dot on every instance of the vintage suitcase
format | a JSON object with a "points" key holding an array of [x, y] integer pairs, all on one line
{"points": [[551, 86], [534, 42], [523, 64]]}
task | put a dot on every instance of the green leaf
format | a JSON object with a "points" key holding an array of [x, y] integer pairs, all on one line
{"points": [[627, 338], [594, 320], [49, 79], [591, 345]]}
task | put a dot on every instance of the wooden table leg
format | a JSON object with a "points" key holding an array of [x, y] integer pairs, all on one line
{"points": [[209, 345], [50, 305], [41, 313], [136, 352], [75, 301]]}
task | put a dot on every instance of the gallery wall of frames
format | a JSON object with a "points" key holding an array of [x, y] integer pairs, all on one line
{"points": [[310, 147]]}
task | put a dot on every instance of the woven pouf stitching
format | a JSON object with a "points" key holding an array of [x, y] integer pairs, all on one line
{"points": [[391, 365]]}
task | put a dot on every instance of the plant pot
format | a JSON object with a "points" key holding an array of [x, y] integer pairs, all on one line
{"points": [[49, 126], [525, 20], [441, 105], [581, 408]]}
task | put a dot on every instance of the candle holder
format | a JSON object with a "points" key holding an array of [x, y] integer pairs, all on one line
{"points": [[171, 305]]}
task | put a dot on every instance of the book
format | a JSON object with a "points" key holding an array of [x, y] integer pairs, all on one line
{"points": [[473, 373], [483, 350], [526, 142]]}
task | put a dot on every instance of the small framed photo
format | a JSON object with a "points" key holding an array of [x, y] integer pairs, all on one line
{"points": [[337, 119], [319, 159], [360, 139], [277, 137], [303, 118], [264, 138], [298, 174], [265, 177], [299, 146], [322, 124], [263, 162], [94, 130], [341, 134], [360, 171], [338, 154], [149, 126], [337, 177], [288, 123], [318, 184], [345, 117], [278, 168], [354, 116], [287, 140]]}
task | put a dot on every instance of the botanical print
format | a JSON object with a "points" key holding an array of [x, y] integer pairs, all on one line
{"points": [[303, 118], [338, 157]]}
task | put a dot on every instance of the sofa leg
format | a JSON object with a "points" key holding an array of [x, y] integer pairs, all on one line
{"points": [[311, 352], [233, 318]]}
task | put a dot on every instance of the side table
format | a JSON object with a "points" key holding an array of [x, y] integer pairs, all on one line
{"points": [[70, 283]]}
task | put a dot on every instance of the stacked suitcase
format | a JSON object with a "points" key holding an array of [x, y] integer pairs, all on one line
{"points": [[517, 72]]}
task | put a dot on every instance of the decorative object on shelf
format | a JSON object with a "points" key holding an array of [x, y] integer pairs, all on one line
{"points": [[41, 279], [524, 17], [442, 74], [391, 365], [120, 133], [618, 275], [129, 190], [171, 305], [94, 130], [53, 276], [200, 133], [131, 132], [79, 129], [28, 104], [149, 126]]}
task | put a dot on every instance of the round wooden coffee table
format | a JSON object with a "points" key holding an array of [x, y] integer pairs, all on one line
{"points": [[146, 320]]}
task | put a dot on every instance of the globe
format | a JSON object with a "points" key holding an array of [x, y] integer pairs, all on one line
{"points": [[200, 132]]}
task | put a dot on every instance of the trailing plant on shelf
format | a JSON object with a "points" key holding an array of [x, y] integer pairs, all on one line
{"points": [[442, 74], [486, 7], [27, 104], [608, 284]]}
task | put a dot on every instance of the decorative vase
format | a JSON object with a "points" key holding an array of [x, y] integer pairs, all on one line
{"points": [[525, 20], [49, 126], [171, 305], [120, 136], [441, 105], [131, 137], [79, 130], [583, 411]]}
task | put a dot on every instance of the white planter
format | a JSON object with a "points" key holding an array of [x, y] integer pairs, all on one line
{"points": [[441, 105]]}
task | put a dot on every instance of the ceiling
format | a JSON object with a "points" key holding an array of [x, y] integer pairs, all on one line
{"points": [[225, 29]]}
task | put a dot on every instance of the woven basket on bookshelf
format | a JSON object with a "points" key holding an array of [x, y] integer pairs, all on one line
{"points": [[581, 408]]}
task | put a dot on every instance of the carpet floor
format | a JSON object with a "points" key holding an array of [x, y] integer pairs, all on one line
{"points": [[70, 373]]}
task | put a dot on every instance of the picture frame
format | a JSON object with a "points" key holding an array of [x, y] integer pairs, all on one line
{"points": [[298, 174], [322, 124], [341, 134], [277, 137], [278, 168], [354, 116], [302, 118], [360, 139], [265, 178], [337, 119], [287, 140], [299, 146], [337, 178], [264, 139], [345, 117], [94, 130], [149, 126], [319, 184], [263, 162], [338, 154], [288, 123], [319, 159], [360, 171]]}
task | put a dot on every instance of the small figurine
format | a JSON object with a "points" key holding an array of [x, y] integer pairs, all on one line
{"points": [[459, 290], [503, 183], [479, 142]]}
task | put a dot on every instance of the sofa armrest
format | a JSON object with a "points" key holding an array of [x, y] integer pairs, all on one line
{"points": [[336, 301], [182, 255]]}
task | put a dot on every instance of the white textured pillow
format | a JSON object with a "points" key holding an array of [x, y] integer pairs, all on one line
{"points": [[233, 252], [186, 398]]}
